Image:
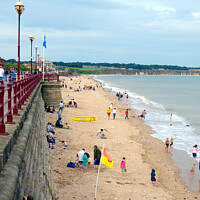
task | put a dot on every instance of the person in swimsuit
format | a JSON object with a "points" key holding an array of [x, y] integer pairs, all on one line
{"points": [[171, 144], [167, 144]]}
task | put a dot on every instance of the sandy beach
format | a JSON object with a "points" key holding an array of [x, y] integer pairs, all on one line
{"points": [[129, 138]]}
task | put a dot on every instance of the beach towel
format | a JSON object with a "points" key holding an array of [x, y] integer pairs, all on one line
{"points": [[71, 165]]}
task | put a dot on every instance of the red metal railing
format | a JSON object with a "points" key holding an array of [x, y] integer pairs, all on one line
{"points": [[51, 77], [13, 97]]}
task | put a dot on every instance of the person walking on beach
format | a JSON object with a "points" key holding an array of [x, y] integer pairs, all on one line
{"points": [[167, 144], [61, 106], [97, 157], [194, 153], [143, 114], [114, 113], [126, 113], [171, 144], [170, 122], [109, 112], [59, 115], [123, 166], [111, 106]]}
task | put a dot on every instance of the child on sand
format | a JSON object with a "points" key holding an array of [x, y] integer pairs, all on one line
{"points": [[64, 144], [153, 174], [126, 117], [123, 166]]}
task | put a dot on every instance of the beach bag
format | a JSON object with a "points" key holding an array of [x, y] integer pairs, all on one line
{"points": [[71, 164]]}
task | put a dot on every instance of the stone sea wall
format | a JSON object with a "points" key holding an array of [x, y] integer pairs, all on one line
{"points": [[25, 164]]}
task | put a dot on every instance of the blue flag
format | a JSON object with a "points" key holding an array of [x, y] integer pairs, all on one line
{"points": [[45, 42]]}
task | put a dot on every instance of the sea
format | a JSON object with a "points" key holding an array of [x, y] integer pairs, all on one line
{"points": [[161, 96]]}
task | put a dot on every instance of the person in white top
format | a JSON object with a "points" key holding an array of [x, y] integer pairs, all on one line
{"points": [[80, 156], [114, 113], [111, 106], [61, 106], [1, 73], [194, 153]]}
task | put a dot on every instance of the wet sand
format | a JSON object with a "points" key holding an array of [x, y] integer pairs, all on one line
{"points": [[126, 138]]}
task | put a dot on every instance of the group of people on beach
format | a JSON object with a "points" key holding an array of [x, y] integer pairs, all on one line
{"points": [[169, 144], [83, 159]]}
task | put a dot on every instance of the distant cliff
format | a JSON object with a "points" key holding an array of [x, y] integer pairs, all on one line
{"points": [[134, 71]]}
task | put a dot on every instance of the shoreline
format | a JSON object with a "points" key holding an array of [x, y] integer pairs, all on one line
{"points": [[130, 138], [178, 157]]}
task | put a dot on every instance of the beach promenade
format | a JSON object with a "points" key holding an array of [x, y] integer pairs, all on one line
{"points": [[125, 138]]}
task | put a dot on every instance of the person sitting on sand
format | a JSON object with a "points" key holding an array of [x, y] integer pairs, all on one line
{"points": [[58, 124], [70, 102], [68, 126], [50, 128], [101, 133], [167, 144], [49, 110], [50, 140], [64, 144]]}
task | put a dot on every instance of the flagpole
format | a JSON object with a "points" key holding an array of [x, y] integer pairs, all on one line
{"points": [[43, 63], [95, 197]]}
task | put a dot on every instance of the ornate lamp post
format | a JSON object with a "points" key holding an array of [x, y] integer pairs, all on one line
{"points": [[19, 7], [31, 39], [36, 58]]}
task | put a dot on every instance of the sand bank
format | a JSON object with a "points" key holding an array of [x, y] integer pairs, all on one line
{"points": [[126, 138]]}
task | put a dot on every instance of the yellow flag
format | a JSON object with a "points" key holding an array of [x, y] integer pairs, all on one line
{"points": [[106, 159]]}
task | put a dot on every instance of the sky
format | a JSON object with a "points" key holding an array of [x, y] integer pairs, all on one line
{"points": [[123, 31]]}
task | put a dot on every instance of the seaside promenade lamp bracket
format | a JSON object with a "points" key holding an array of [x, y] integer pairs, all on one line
{"points": [[19, 7], [31, 37]]}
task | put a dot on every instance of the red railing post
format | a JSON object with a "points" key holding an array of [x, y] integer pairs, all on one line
{"points": [[22, 91], [57, 77], [25, 89], [15, 109], [9, 116], [19, 105], [2, 124], [48, 77]]}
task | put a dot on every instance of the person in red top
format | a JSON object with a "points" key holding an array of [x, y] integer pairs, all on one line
{"points": [[127, 96], [126, 117]]}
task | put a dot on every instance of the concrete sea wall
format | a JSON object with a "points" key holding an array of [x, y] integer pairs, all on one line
{"points": [[25, 155]]}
